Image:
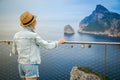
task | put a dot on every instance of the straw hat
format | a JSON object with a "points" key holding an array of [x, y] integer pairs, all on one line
{"points": [[27, 18]]}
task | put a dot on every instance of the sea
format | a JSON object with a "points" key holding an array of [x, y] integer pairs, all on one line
{"points": [[57, 63]]}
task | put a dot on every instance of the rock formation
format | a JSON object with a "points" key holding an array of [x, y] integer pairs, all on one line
{"points": [[68, 30], [101, 21], [80, 73]]}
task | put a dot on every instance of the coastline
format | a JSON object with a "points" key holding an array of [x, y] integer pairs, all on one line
{"points": [[99, 33]]}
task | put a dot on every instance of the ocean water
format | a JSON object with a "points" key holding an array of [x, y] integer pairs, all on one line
{"points": [[61, 60], [57, 63]]}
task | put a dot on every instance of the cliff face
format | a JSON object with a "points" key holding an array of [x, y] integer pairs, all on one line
{"points": [[68, 30], [101, 21], [78, 74]]}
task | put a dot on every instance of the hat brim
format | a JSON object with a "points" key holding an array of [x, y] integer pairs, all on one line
{"points": [[21, 24]]}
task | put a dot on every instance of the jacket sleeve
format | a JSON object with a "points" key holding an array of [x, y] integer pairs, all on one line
{"points": [[46, 44], [14, 48]]}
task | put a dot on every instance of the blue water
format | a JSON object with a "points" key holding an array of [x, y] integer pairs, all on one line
{"points": [[57, 63]]}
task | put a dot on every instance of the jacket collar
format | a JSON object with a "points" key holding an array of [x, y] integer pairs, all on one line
{"points": [[29, 29]]}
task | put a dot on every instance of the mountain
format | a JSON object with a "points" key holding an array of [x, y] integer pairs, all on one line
{"points": [[101, 21], [68, 29]]}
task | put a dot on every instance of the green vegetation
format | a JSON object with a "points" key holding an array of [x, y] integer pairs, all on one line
{"points": [[95, 26], [101, 20], [89, 70]]}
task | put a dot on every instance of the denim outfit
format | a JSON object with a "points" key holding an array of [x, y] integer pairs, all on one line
{"points": [[26, 44]]}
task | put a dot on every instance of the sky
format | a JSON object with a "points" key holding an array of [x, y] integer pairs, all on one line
{"points": [[51, 13]]}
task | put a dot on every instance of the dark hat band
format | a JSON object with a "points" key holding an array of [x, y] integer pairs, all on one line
{"points": [[29, 21]]}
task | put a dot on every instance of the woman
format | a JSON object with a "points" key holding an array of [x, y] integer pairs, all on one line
{"points": [[26, 44]]}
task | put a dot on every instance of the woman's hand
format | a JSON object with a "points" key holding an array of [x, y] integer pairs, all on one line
{"points": [[61, 41]]}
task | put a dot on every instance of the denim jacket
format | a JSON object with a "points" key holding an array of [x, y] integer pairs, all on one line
{"points": [[26, 44]]}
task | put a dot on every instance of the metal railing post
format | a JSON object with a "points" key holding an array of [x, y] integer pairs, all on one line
{"points": [[105, 49]]}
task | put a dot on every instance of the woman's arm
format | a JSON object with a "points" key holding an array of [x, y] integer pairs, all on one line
{"points": [[46, 44]]}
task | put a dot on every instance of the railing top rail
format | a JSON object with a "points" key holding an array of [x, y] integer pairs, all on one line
{"points": [[6, 40], [100, 43], [78, 42]]}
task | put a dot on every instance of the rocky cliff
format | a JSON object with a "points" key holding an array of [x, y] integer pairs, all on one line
{"points": [[68, 29], [101, 21], [80, 73]]}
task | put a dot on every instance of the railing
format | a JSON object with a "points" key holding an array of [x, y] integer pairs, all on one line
{"points": [[98, 43], [102, 57]]}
